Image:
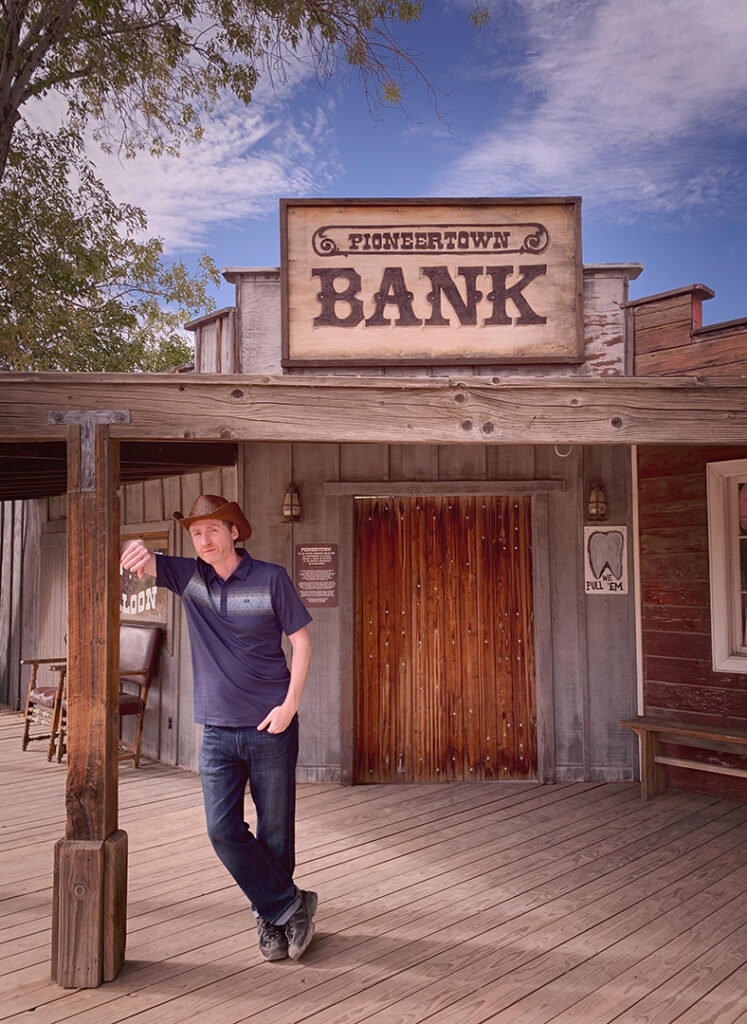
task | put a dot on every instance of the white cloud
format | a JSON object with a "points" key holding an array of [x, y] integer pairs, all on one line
{"points": [[640, 104], [247, 158]]}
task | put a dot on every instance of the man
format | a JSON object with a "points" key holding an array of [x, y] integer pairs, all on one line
{"points": [[237, 609]]}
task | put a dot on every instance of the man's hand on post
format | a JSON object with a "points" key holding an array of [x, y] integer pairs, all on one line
{"points": [[137, 558]]}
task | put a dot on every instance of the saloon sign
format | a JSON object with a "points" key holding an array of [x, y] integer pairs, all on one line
{"points": [[413, 281]]}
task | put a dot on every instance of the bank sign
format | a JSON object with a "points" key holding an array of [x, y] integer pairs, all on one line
{"points": [[415, 281]]}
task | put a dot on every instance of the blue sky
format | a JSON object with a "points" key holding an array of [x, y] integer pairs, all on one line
{"points": [[638, 107]]}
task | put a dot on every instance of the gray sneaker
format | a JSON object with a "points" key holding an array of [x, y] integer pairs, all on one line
{"points": [[273, 944], [299, 929]]}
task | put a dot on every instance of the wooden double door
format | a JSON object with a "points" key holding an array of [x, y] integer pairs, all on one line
{"points": [[444, 683]]}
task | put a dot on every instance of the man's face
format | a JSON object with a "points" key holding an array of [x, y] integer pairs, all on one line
{"points": [[213, 540]]}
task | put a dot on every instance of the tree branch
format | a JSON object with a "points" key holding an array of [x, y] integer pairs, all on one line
{"points": [[34, 47]]}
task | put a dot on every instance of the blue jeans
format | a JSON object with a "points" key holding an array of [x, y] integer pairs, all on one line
{"points": [[261, 865]]}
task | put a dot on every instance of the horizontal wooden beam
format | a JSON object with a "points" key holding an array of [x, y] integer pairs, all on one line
{"points": [[481, 410], [437, 488]]}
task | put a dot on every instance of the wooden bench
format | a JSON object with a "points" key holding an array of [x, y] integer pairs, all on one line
{"points": [[653, 733]]}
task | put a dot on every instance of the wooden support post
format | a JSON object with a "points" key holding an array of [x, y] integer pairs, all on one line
{"points": [[90, 882]]}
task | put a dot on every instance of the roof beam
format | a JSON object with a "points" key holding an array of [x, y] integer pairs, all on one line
{"points": [[618, 410]]}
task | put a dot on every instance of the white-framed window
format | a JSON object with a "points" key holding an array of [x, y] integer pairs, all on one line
{"points": [[727, 543]]}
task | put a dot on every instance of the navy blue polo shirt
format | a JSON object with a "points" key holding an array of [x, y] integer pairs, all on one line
{"points": [[235, 631]]}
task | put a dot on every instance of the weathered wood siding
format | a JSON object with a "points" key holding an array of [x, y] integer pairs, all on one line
{"points": [[588, 642], [678, 680], [216, 342], [51, 608], [676, 614], [15, 590], [670, 340]]}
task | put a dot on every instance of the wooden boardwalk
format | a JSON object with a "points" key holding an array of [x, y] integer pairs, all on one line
{"points": [[447, 904]]}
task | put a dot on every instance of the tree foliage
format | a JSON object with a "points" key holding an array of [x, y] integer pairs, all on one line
{"points": [[146, 70], [79, 289]]}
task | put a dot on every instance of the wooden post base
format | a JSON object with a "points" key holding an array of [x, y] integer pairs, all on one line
{"points": [[89, 912]]}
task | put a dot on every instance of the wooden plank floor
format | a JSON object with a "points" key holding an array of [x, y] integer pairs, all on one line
{"points": [[446, 904]]}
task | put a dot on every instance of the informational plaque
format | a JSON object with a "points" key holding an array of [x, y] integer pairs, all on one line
{"points": [[316, 575], [395, 281]]}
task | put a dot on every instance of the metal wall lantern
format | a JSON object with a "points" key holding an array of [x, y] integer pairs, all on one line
{"points": [[596, 506], [291, 504]]}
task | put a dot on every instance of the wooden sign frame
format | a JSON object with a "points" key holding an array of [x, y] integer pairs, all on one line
{"points": [[412, 282], [159, 542]]}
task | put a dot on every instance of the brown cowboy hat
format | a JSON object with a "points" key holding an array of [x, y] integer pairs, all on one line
{"points": [[212, 506]]}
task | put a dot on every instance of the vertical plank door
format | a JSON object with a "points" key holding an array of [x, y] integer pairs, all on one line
{"points": [[444, 683]]}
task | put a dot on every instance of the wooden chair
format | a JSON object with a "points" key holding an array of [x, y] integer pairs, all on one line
{"points": [[44, 704], [139, 650]]}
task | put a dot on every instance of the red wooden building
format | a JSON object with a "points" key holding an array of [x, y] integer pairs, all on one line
{"points": [[685, 592]]}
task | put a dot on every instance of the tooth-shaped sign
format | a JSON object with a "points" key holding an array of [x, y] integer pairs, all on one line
{"points": [[606, 552]]}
